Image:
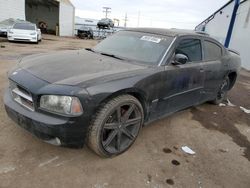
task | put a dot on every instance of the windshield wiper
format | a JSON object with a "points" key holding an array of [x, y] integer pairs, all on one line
{"points": [[90, 49], [102, 53], [112, 55]]}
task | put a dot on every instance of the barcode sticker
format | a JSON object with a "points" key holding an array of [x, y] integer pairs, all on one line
{"points": [[151, 39]]}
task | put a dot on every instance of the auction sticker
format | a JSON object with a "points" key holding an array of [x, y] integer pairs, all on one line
{"points": [[151, 39]]}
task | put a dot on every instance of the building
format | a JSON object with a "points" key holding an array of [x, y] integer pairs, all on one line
{"points": [[59, 15], [85, 22], [217, 25]]}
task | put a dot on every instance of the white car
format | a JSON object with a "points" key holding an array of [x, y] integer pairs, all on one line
{"points": [[5, 26], [24, 31]]}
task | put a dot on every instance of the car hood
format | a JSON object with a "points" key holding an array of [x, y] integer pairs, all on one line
{"points": [[74, 67]]}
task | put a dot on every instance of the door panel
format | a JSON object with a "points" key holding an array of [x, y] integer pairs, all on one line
{"points": [[213, 53], [183, 85], [213, 79]]}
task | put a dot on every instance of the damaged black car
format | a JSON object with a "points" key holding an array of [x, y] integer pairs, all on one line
{"points": [[103, 96], [85, 33]]}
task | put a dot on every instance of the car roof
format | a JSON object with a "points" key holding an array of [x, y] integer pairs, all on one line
{"points": [[24, 22], [168, 32]]}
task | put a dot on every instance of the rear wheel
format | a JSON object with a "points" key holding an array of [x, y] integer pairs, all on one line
{"points": [[222, 93], [116, 126]]}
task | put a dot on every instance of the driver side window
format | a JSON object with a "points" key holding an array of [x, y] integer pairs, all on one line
{"points": [[190, 48]]}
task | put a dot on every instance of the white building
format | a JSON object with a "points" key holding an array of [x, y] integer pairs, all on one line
{"points": [[59, 15], [86, 22], [217, 26]]}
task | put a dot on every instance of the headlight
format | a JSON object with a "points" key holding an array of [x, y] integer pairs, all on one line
{"points": [[64, 105], [10, 32], [34, 33]]}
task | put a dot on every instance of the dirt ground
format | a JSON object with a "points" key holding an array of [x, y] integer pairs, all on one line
{"points": [[220, 136]]}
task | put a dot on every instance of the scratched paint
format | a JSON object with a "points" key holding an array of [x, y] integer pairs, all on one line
{"points": [[48, 162], [4, 170]]}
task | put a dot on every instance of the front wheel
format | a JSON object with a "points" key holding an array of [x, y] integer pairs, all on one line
{"points": [[116, 126], [222, 93]]}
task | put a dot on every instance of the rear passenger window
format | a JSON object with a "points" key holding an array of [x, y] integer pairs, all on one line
{"points": [[212, 51], [190, 48]]}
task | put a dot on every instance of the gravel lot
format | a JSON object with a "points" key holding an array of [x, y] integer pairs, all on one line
{"points": [[220, 136]]}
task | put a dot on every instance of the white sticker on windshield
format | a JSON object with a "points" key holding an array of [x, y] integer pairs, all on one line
{"points": [[151, 39]]}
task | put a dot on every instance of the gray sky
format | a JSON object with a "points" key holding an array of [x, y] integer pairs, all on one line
{"points": [[184, 14]]}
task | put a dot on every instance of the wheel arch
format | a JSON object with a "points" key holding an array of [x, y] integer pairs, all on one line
{"points": [[232, 78], [137, 93]]}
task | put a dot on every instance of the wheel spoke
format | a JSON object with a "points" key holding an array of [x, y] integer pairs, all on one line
{"points": [[128, 134], [121, 127], [110, 138], [110, 126], [128, 112], [118, 144], [132, 121], [118, 113]]}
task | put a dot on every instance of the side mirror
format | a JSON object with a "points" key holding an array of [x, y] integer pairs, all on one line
{"points": [[180, 59]]}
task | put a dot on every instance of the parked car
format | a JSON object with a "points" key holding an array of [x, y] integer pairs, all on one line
{"points": [[5, 26], [24, 31], [103, 96], [105, 23], [85, 33]]}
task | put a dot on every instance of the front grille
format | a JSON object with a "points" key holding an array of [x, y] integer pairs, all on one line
{"points": [[21, 39], [22, 96]]}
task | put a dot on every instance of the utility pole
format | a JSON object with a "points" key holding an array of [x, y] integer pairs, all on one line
{"points": [[138, 20], [125, 20], [106, 10]]}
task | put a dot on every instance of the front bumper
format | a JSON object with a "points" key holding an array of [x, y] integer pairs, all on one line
{"points": [[62, 131], [22, 38]]}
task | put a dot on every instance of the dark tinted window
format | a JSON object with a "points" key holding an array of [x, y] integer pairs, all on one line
{"points": [[24, 26], [191, 48], [212, 51]]}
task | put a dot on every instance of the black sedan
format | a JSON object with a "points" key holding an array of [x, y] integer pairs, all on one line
{"points": [[104, 95]]}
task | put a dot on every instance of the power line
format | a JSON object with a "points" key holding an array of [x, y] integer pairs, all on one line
{"points": [[141, 16]]}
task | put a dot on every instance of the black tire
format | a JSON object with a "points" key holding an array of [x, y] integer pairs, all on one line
{"points": [[222, 93], [111, 134]]}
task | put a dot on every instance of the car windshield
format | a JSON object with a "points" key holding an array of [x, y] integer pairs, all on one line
{"points": [[136, 46], [24, 26]]}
